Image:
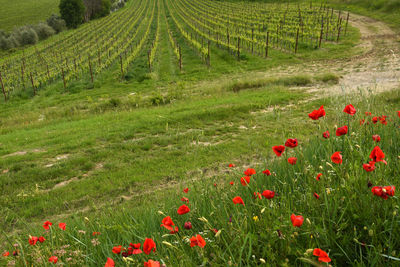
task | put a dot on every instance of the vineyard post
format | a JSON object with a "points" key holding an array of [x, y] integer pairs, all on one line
{"points": [[252, 39], [180, 59], [2, 88], [227, 36], [208, 54], [297, 40], [48, 72], [148, 58], [98, 54], [238, 48], [63, 76], [122, 68], [76, 74], [266, 45], [22, 76], [322, 32], [33, 85], [90, 69], [340, 27], [327, 30], [347, 22]]}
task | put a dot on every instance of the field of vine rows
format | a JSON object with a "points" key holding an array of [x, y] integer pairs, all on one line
{"points": [[117, 40]]}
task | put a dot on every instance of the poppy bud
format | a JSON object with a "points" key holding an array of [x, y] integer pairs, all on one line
{"points": [[188, 225]]}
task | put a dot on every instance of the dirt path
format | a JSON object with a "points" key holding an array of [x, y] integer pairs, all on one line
{"points": [[377, 68]]}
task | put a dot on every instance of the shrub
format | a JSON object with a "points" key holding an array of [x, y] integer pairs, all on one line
{"points": [[27, 35], [56, 22], [72, 11], [43, 30]]}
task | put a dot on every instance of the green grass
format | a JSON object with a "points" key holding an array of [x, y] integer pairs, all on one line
{"points": [[22, 12], [350, 223]]}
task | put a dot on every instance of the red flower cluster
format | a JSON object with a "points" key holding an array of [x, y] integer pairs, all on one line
{"points": [[297, 220], [383, 192], [322, 255], [197, 241], [267, 172]]}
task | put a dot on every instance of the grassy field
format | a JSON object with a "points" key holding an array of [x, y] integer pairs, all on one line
{"points": [[22, 12], [113, 157]]}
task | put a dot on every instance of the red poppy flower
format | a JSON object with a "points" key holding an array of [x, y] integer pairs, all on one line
{"points": [[167, 223], [362, 122], [375, 119], [109, 263], [33, 240], [257, 195], [185, 199], [197, 241], [41, 239], [46, 225], [383, 119], [135, 248], [337, 158], [377, 155], [15, 253], [326, 135], [53, 259], [278, 150], [183, 209], [318, 176], [185, 190], [62, 226], [316, 195], [188, 225], [297, 220], [383, 192], [266, 172], [291, 142], [398, 113], [152, 263], [249, 172], [231, 165], [245, 180], [376, 138], [215, 185], [117, 249], [268, 194], [349, 109], [95, 233], [231, 182], [322, 255], [149, 246], [316, 114], [292, 160], [238, 200], [341, 130], [6, 254], [368, 113], [369, 167]]}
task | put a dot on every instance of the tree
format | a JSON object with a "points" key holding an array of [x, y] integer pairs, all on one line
{"points": [[96, 8], [56, 22], [72, 11]]}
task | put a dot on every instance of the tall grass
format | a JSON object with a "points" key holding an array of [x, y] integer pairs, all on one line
{"points": [[351, 224]]}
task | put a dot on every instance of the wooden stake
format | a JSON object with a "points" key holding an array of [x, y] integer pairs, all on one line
{"points": [[180, 59], [2, 88], [63, 76], [122, 68], [266, 45], [238, 49], [340, 27], [347, 22], [322, 32], [297, 40], [33, 86], [90, 69], [22, 76]]}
